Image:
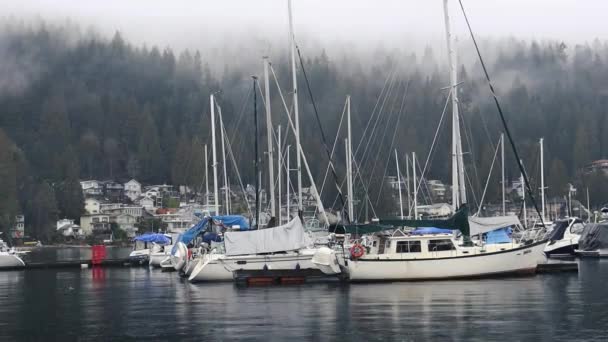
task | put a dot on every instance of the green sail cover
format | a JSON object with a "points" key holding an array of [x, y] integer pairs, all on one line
{"points": [[458, 221]]}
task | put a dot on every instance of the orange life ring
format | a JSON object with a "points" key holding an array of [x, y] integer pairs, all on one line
{"points": [[357, 251]]}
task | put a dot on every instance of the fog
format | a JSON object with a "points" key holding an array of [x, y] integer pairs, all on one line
{"points": [[332, 24]]}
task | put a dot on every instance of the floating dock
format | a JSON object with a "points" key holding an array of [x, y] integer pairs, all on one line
{"points": [[79, 263], [557, 267]]}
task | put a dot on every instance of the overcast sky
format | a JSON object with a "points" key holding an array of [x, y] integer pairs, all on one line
{"points": [[196, 23]]}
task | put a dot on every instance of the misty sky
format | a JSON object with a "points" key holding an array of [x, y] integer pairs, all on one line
{"points": [[329, 24]]}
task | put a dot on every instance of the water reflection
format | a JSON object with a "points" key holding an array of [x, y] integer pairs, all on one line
{"points": [[119, 303]]}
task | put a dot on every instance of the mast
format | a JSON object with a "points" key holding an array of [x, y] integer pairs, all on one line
{"points": [[407, 176], [226, 189], [415, 186], [502, 156], [542, 179], [269, 141], [257, 159], [349, 165], [523, 197], [295, 105], [399, 184], [206, 177], [588, 207], [458, 186], [214, 154], [279, 164], [288, 186]]}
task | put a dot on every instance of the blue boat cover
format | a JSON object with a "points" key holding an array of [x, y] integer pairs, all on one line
{"points": [[502, 235], [160, 239], [430, 230], [199, 228]]}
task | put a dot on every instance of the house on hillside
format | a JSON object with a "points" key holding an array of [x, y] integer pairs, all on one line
{"points": [[67, 228], [95, 224], [438, 210], [91, 187], [17, 231], [93, 205], [146, 202], [598, 165], [113, 190], [132, 189], [125, 222]]}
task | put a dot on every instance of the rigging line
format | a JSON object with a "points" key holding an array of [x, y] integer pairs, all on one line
{"points": [[236, 168], [431, 150], [466, 174], [483, 195], [329, 154], [386, 82], [366, 191], [364, 158], [468, 136], [333, 148], [378, 143], [502, 117], [407, 86]]}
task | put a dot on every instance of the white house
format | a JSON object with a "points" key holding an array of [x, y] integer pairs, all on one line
{"points": [[98, 223], [67, 228], [132, 189], [438, 210], [92, 206], [147, 203], [125, 222], [18, 230], [91, 187]]}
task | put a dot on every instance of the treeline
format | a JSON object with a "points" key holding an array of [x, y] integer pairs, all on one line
{"points": [[75, 106]]}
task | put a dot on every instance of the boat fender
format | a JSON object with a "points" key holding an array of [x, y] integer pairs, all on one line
{"points": [[357, 251]]}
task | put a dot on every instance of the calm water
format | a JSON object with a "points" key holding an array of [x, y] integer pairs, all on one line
{"points": [[137, 303]]}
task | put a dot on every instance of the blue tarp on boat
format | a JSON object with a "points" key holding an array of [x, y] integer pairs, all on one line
{"points": [[160, 239], [502, 235], [225, 220], [430, 230]]}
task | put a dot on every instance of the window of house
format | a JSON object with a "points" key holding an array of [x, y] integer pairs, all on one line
{"points": [[441, 245], [95, 219], [408, 247]]}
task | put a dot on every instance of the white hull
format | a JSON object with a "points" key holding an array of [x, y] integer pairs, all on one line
{"points": [[218, 267], [519, 260], [564, 247], [157, 258], [9, 260]]}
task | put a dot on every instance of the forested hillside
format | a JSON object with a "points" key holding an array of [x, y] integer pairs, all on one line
{"points": [[79, 106]]}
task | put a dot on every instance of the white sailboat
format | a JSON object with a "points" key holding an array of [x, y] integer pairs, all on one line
{"points": [[9, 258], [395, 254]]}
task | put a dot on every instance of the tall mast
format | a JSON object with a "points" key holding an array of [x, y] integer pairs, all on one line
{"points": [[407, 180], [542, 178], [502, 156], [588, 207], [523, 191], [226, 189], [269, 140], [349, 165], [292, 43], [214, 153], [279, 165], [348, 213], [415, 186], [257, 159], [288, 199], [206, 177], [458, 186], [399, 184]]}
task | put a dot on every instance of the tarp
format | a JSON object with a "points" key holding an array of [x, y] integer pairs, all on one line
{"points": [[288, 237], [558, 230], [458, 221], [160, 239], [225, 220], [430, 230], [594, 236], [480, 225], [502, 235]]}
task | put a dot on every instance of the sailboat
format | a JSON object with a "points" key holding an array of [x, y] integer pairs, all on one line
{"points": [[9, 258], [444, 251]]}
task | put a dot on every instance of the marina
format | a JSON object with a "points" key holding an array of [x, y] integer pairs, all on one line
{"points": [[138, 302]]}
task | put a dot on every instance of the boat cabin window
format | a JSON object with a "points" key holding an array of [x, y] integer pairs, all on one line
{"points": [[408, 247], [375, 243], [577, 228], [441, 245]]}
